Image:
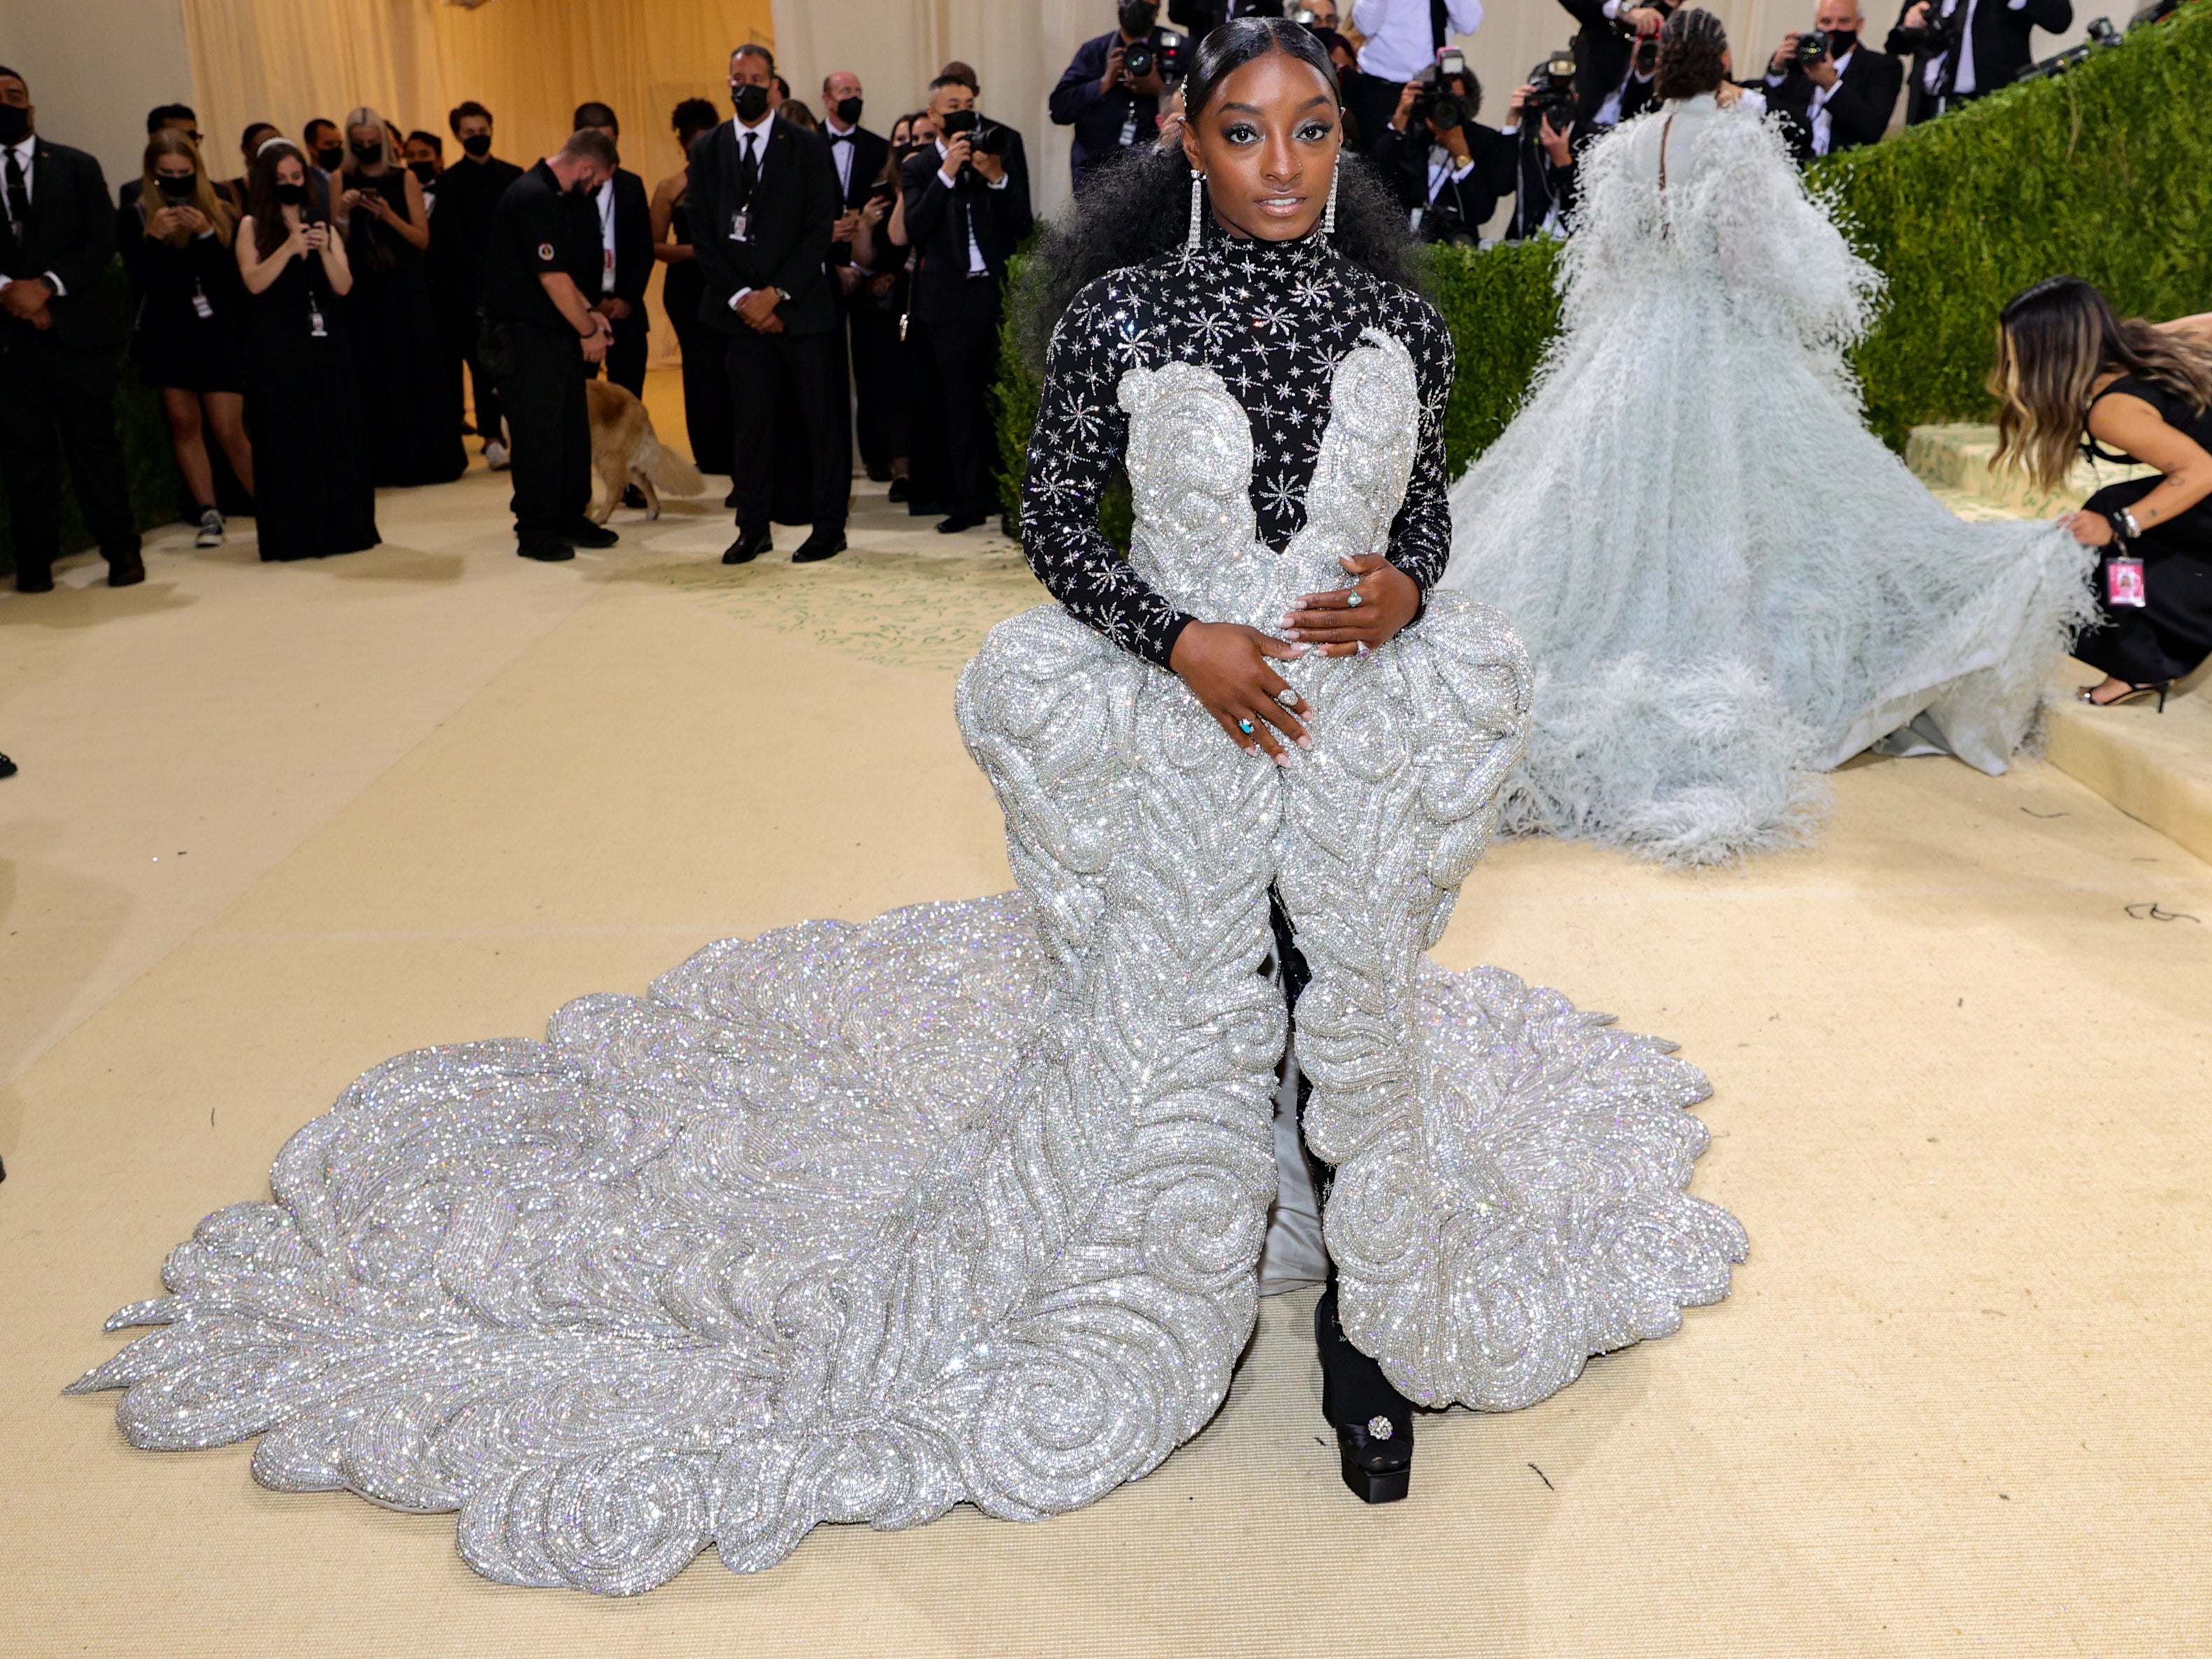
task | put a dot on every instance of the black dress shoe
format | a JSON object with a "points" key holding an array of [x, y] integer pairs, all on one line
{"points": [[125, 570], [7, 767], [747, 548], [821, 544], [1373, 1422], [585, 534], [898, 491], [880, 475], [547, 549], [958, 522], [38, 579]]}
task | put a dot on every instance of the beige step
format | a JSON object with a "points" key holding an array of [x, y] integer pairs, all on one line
{"points": [[2153, 766], [1960, 458]]}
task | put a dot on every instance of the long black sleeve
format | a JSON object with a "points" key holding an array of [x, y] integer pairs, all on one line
{"points": [[1274, 321]]}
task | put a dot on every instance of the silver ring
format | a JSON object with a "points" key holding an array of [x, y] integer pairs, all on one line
{"points": [[1354, 602], [1363, 649], [1288, 696], [1245, 726]]}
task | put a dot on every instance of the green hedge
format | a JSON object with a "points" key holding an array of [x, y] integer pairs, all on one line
{"points": [[157, 492], [2105, 171]]}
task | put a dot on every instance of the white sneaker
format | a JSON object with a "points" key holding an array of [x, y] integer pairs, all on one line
{"points": [[211, 529], [496, 457]]}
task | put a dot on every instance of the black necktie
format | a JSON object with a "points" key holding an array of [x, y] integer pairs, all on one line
{"points": [[19, 195], [748, 166]]}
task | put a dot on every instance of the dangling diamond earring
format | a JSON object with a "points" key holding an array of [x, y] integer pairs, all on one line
{"points": [[1197, 210], [1328, 214]]}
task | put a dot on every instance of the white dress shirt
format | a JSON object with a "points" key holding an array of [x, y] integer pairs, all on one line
{"points": [[1967, 80], [24, 149], [1399, 42], [606, 203], [977, 265]]}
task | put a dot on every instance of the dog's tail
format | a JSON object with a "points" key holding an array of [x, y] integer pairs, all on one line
{"points": [[668, 472]]}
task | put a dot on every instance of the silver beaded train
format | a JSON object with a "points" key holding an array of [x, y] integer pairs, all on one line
{"points": [[965, 1204]]}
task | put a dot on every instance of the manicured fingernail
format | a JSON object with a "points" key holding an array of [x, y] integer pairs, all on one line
{"points": [[1291, 634], [1305, 743], [1282, 759], [1300, 651]]}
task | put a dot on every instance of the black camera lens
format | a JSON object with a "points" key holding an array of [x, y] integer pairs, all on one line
{"points": [[1137, 59], [1812, 47], [1446, 112]]}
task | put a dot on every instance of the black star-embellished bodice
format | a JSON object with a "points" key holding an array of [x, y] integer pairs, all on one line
{"points": [[1273, 319]]}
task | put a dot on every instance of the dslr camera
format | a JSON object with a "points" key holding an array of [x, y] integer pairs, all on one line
{"points": [[1553, 100], [1140, 57], [986, 137], [1647, 47], [1440, 104], [1813, 47]]}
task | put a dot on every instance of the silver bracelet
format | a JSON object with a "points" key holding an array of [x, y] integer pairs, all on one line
{"points": [[2124, 522]]}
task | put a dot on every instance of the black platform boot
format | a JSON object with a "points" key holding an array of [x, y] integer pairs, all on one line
{"points": [[1373, 1422]]}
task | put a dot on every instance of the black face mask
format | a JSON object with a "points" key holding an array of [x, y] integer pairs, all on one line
{"points": [[330, 158], [848, 111], [477, 144], [291, 195], [426, 171], [1840, 41], [178, 190], [951, 125], [366, 154], [14, 122], [1138, 17], [750, 101]]}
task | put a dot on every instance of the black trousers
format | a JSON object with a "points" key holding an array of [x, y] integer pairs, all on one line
{"points": [[879, 382], [543, 389], [460, 329], [55, 400], [625, 359], [773, 375], [965, 351], [1370, 100]]}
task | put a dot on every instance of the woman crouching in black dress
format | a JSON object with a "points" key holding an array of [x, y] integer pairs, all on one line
{"points": [[311, 454], [187, 330], [2070, 372]]}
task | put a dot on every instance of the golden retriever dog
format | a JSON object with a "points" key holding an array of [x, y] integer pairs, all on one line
{"points": [[625, 452]]}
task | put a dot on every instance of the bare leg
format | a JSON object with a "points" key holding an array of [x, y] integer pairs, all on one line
{"points": [[226, 414], [183, 408]]}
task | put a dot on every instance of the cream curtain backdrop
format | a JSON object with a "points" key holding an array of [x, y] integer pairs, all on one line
{"points": [[531, 62]]}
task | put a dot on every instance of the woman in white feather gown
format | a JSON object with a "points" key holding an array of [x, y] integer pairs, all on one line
{"points": [[1726, 584]]}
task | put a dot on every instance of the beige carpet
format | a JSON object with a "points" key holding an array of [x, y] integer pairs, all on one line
{"points": [[1956, 1405]]}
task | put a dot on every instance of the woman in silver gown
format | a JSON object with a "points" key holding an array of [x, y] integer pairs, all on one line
{"points": [[967, 1204]]}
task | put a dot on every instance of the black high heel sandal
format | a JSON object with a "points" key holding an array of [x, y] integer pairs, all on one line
{"points": [[1373, 1422], [2133, 694]]}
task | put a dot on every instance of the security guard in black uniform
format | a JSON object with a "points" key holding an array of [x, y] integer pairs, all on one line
{"points": [[538, 332]]}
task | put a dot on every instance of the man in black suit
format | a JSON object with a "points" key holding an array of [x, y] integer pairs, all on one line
{"points": [[460, 243], [1111, 109], [1014, 152], [1448, 169], [1965, 49], [1842, 99], [764, 207], [60, 336], [965, 213], [618, 231], [859, 156]]}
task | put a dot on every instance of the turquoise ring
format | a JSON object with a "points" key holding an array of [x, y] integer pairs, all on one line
{"points": [[1245, 726]]}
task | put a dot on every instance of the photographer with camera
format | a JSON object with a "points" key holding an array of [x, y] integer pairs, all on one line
{"points": [[964, 212], [1115, 85], [1542, 124], [1616, 53], [1835, 92], [1402, 39], [1448, 169], [1963, 50]]}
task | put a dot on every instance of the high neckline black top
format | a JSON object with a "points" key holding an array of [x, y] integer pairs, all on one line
{"points": [[1273, 319]]}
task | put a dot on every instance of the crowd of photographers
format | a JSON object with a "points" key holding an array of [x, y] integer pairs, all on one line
{"points": [[1413, 106]]}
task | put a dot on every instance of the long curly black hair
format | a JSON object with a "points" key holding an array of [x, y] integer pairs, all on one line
{"points": [[1137, 205]]}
